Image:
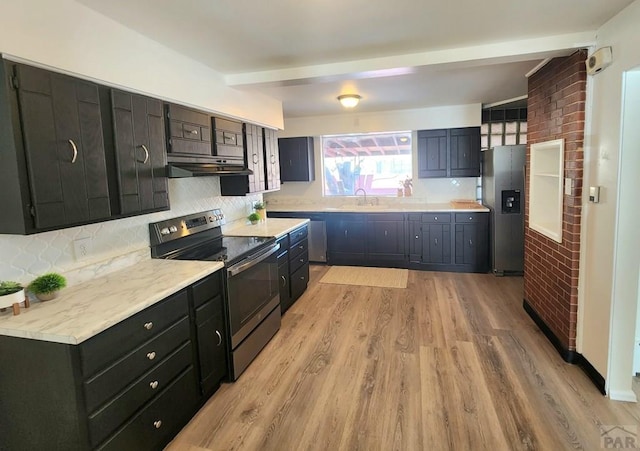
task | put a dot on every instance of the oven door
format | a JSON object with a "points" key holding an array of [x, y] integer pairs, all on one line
{"points": [[253, 292]]}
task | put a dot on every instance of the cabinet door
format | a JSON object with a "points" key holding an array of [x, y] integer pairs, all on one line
{"points": [[415, 241], [283, 276], [464, 148], [272, 159], [466, 244], [64, 145], [255, 157], [346, 236], [140, 152], [436, 243], [385, 240], [432, 153], [296, 159], [212, 351]]}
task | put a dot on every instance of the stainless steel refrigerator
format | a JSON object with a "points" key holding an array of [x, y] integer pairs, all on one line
{"points": [[503, 192]]}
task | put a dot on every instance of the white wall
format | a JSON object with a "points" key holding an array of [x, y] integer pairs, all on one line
{"points": [[66, 35], [602, 165], [424, 190], [113, 243]]}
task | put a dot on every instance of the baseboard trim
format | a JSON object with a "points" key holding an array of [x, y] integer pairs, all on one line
{"points": [[567, 355], [623, 395]]}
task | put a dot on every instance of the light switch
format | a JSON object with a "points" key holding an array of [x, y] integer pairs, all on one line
{"points": [[568, 186]]}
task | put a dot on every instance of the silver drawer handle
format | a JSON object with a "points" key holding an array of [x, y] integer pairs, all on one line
{"points": [[153, 385], [148, 325], [385, 233], [470, 243], [193, 132], [255, 158], [284, 281], [219, 338], [74, 148], [436, 241], [157, 424], [146, 153], [151, 355]]}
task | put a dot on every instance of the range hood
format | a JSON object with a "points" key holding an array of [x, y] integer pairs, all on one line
{"points": [[178, 169]]}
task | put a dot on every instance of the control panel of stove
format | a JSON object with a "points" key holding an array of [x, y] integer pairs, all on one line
{"points": [[171, 229]]}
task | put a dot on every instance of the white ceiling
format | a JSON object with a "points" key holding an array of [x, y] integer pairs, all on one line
{"points": [[306, 53]]}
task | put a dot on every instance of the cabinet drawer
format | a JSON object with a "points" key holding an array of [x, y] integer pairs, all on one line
{"points": [[436, 217], [298, 248], [298, 261], [468, 217], [111, 344], [106, 420], [206, 289], [191, 132], [152, 427], [112, 380], [299, 281], [298, 235]]}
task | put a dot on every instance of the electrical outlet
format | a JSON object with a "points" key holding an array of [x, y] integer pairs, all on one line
{"points": [[82, 248]]}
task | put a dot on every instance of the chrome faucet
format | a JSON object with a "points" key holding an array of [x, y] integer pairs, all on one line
{"points": [[365, 195]]}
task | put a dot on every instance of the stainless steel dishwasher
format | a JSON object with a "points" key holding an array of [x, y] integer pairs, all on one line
{"points": [[317, 240]]}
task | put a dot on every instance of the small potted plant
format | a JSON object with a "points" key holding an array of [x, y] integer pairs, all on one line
{"points": [[46, 287], [10, 293], [261, 210], [254, 218]]}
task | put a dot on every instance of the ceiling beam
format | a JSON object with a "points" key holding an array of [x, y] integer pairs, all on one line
{"points": [[483, 54]]}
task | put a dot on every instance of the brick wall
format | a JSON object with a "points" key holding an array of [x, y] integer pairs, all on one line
{"points": [[556, 110]]}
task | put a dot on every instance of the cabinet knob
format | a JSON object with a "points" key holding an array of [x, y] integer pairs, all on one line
{"points": [[301, 247], [385, 233], [346, 232], [153, 385], [157, 424], [148, 325], [417, 237], [436, 218], [151, 355], [302, 260], [470, 243], [302, 277], [470, 218], [219, 338], [436, 241]]}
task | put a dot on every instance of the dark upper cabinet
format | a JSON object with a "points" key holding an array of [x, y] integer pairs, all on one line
{"points": [[139, 139], [262, 158], [229, 141], [189, 133], [272, 160], [449, 153], [62, 135], [432, 153], [255, 158], [464, 151], [296, 159]]}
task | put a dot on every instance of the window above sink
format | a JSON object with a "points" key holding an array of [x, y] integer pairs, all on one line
{"points": [[378, 163]]}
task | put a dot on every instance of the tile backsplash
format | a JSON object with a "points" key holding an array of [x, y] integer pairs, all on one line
{"points": [[113, 244]]}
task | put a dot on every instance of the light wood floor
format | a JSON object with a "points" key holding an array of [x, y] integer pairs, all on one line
{"points": [[451, 362]]}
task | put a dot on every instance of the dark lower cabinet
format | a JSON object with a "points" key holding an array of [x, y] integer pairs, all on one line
{"points": [[436, 243], [284, 276], [298, 265], [211, 336], [346, 239], [132, 386], [386, 239], [139, 139]]}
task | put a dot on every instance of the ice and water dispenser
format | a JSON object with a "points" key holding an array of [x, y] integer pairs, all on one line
{"points": [[511, 201]]}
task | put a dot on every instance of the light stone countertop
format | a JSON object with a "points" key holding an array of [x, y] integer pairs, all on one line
{"points": [[397, 208], [276, 227], [84, 310]]}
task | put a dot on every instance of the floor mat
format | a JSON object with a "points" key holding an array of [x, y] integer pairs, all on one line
{"points": [[369, 277]]}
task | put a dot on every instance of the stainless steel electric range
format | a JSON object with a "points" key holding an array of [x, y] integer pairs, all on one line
{"points": [[251, 277]]}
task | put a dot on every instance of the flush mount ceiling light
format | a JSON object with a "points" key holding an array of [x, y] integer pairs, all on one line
{"points": [[349, 100]]}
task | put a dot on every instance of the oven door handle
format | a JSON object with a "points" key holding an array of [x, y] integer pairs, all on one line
{"points": [[252, 260]]}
